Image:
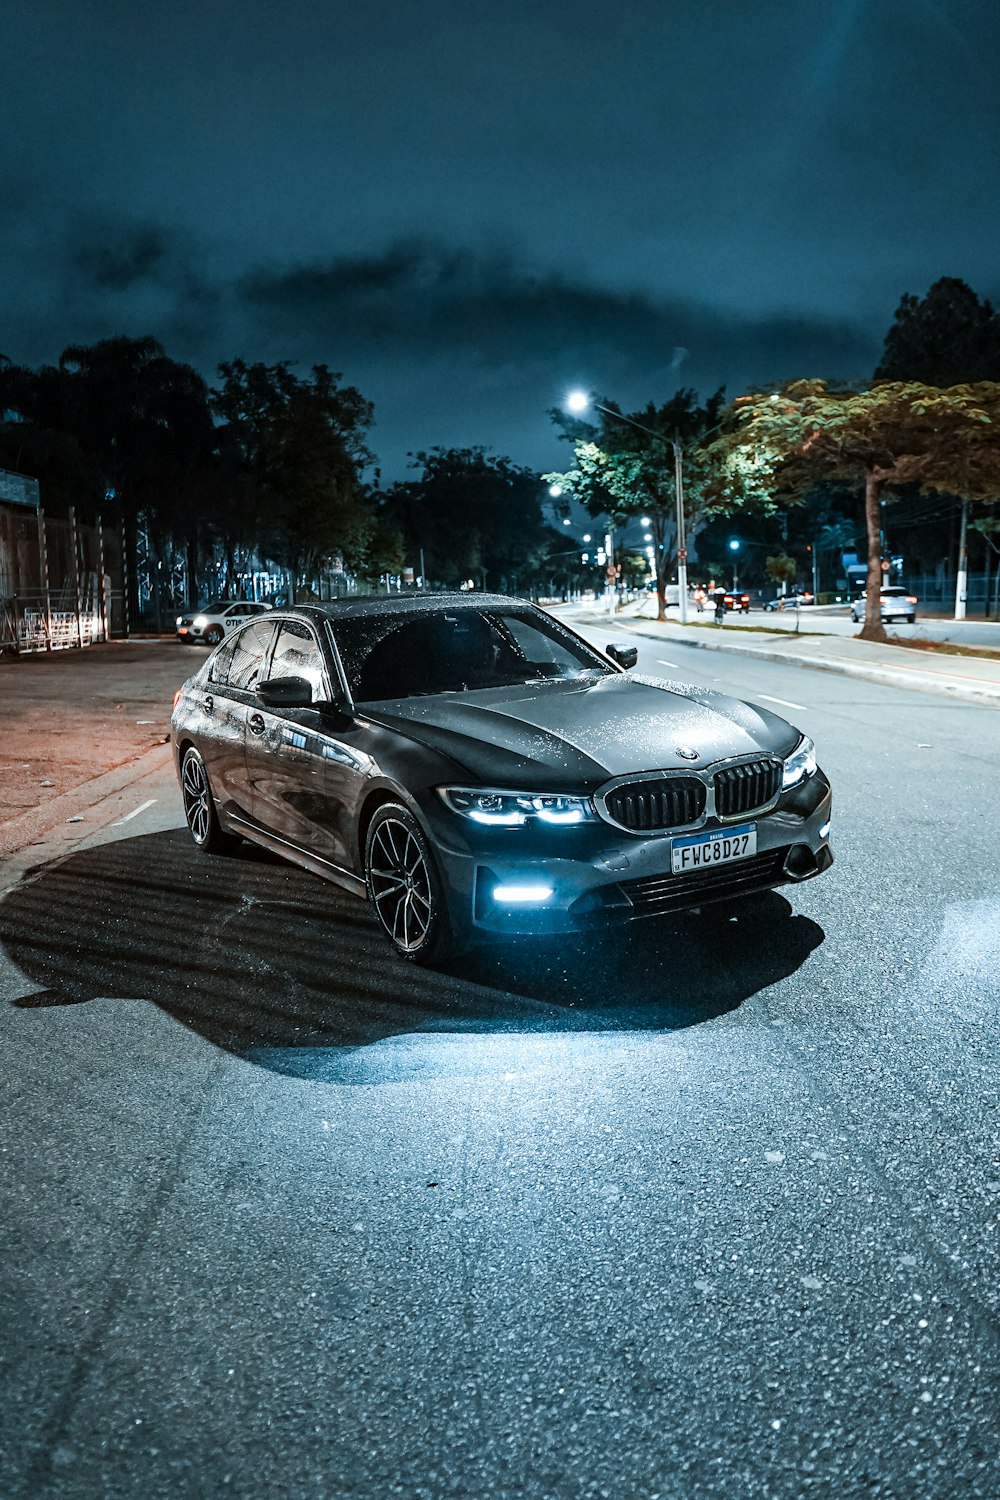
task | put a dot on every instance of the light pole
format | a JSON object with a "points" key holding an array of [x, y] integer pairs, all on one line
{"points": [[734, 548], [577, 402]]}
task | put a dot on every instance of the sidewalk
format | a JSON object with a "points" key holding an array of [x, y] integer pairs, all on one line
{"points": [[971, 679], [76, 726]]}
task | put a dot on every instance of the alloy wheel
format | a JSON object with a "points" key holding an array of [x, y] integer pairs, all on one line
{"points": [[400, 884], [197, 797]]}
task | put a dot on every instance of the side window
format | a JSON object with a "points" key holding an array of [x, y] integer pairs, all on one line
{"points": [[298, 655], [250, 648], [222, 662]]}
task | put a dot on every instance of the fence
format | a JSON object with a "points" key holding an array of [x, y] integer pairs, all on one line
{"points": [[60, 582], [937, 591]]}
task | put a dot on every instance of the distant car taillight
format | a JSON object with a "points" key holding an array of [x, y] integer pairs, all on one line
{"points": [[911, 598], [177, 696]]}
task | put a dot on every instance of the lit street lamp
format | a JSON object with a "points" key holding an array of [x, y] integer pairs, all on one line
{"points": [[734, 547], [577, 402]]}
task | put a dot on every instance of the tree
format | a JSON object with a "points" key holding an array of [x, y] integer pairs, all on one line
{"points": [[474, 514], [624, 466], [141, 421], [781, 568], [946, 338], [294, 450], [894, 434]]}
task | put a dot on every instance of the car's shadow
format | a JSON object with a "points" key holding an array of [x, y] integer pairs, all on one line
{"points": [[272, 963]]}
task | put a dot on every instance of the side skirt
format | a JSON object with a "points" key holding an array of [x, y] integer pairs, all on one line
{"points": [[313, 862]]}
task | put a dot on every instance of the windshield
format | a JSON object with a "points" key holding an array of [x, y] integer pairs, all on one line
{"points": [[393, 655]]}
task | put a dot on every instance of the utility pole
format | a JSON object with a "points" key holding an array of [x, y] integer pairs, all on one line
{"points": [[682, 564], [961, 582]]}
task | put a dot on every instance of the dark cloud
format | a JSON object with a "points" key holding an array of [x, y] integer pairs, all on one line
{"points": [[452, 344], [115, 263], [418, 297]]}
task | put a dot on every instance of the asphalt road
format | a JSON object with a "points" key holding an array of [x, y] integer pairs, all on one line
{"points": [[709, 1208]]}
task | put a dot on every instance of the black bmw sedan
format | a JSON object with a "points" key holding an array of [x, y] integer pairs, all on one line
{"points": [[476, 768]]}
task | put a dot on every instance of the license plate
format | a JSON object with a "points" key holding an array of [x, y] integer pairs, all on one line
{"points": [[701, 850]]}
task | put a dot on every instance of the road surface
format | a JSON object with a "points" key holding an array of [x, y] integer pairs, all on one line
{"points": [[707, 1208]]}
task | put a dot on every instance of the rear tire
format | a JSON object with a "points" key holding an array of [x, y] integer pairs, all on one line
{"points": [[405, 888], [199, 807]]}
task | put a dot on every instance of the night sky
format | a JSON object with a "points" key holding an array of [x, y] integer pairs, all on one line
{"points": [[468, 208]]}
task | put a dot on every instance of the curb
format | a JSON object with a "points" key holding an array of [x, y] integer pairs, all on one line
{"points": [[898, 676], [28, 826]]}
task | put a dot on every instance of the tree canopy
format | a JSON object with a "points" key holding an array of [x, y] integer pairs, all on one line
{"points": [[894, 434], [946, 338], [295, 449], [474, 514], [624, 466]]}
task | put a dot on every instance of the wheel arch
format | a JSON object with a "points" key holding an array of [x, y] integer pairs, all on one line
{"points": [[381, 797]]}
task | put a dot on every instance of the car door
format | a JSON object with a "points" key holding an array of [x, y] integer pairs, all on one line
{"points": [[225, 703], [303, 775], [236, 616]]}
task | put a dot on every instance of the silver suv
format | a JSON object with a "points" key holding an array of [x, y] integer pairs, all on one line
{"points": [[897, 604]]}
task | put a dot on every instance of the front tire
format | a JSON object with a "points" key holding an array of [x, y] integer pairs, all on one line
{"points": [[405, 888], [199, 807], [213, 635]]}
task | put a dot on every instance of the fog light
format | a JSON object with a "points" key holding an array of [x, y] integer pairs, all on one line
{"points": [[824, 832], [522, 895]]}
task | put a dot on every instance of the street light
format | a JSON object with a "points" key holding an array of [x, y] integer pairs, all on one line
{"points": [[577, 403], [734, 547]]}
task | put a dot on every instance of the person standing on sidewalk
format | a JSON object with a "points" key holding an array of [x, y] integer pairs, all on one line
{"points": [[720, 606]]}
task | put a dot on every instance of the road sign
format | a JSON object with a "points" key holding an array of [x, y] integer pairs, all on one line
{"points": [[611, 570], [682, 554], [18, 489]]}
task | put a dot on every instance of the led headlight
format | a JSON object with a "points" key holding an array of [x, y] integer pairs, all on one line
{"points": [[513, 809], [800, 764], [199, 622]]}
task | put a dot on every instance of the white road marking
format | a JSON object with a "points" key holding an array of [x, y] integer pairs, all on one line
{"points": [[134, 813], [784, 702], [661, 663]]}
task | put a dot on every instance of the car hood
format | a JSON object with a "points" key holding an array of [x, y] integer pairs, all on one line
{"points": [[559, 734]]}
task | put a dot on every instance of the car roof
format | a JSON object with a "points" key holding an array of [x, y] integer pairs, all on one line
{"points": [[381, 604]]}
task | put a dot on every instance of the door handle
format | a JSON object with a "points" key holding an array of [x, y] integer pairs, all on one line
{"points": [[256, 723]]}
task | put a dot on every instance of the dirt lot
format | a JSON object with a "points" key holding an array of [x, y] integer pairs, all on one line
{"points": [[70, 716]]}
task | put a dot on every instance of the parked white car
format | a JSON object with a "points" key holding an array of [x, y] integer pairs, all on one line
{"points": [[897, 604], [216, 620]]}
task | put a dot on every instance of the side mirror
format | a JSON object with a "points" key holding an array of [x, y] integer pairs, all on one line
{"points": [[285, 692], [625, 656]]}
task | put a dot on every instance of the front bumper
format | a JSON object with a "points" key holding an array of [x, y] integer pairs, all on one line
{"points": [[600, 876]]}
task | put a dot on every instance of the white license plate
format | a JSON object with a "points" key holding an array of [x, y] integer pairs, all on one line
{"points": [[699, 851]]}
